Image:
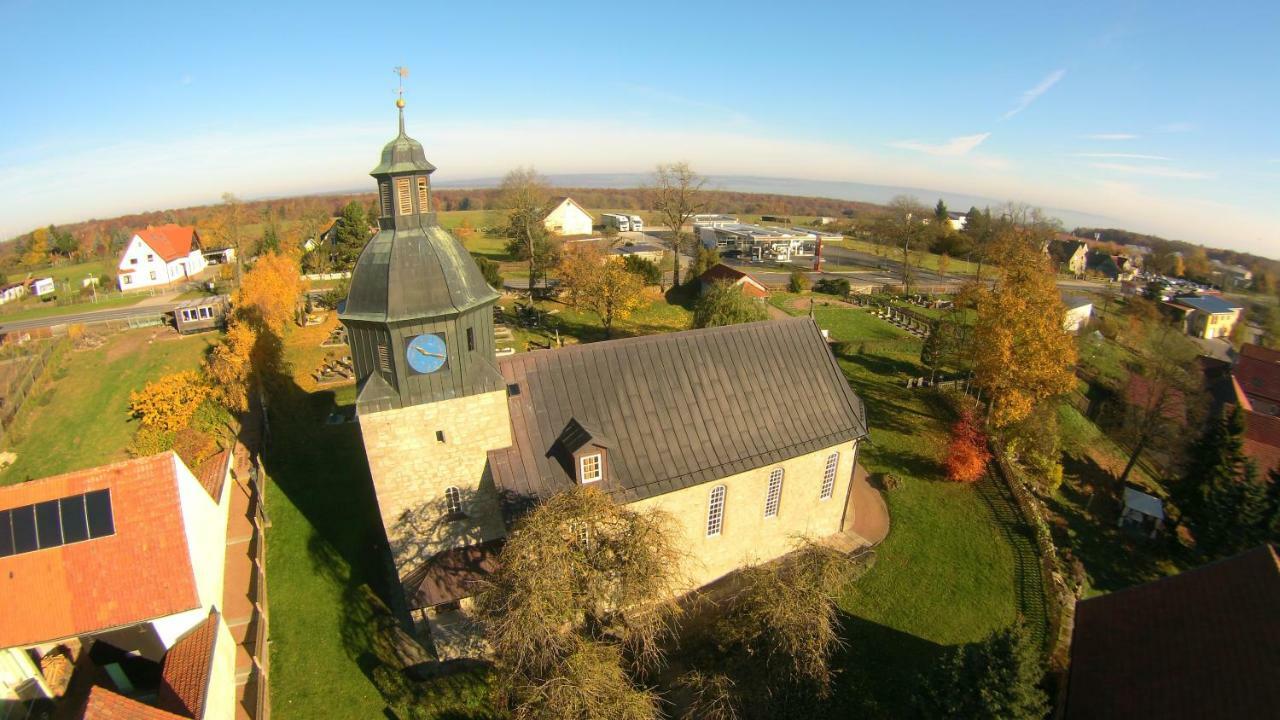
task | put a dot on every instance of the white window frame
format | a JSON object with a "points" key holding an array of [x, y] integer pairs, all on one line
{"points": [[453, 501], [773, 499], [715, 511], [829, 476], [593, 475]]}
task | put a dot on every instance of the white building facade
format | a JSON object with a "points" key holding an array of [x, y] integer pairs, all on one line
{"points": [[159, 256]]}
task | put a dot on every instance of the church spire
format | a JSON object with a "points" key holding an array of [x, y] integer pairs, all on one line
{"points": [[403, 72]]}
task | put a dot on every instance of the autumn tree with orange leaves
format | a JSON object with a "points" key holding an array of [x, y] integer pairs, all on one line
{"points": [[167, 403], [1022, 354], [268, 297], [967, 453]]}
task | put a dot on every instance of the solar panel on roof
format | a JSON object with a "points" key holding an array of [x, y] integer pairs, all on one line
{"points": [[24, 528], [98, 507], [6, 534], [54, 523], [48, 524]]}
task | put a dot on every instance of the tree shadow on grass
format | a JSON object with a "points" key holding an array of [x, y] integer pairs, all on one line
{"points": [[880, 670], [1085, 511]]}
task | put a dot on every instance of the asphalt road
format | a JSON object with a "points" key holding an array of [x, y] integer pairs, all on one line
{"points": [[88, 317]]}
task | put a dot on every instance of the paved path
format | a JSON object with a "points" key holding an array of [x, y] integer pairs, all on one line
{"points": [[871, 521]]}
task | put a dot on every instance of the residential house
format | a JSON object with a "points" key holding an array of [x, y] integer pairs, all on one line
{"points": [[461, 443], [12, 291], [1206, 316], [159, 256], [721, 273], [114, 580], [1257, 369], [1202, 644], [1231, 276], [567, 217], [957, 220], [1070, 256], [823, 220], [1079, 310]]}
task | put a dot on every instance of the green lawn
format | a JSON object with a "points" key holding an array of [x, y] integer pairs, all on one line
{"points": [[82, 419], [926, 260], [75, 272]]}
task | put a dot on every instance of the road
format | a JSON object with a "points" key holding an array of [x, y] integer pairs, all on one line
{"points": [[124, 313]]}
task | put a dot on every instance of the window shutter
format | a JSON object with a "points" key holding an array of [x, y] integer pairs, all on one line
{"points": [[424, 200], [404, 196], [384, 192]]}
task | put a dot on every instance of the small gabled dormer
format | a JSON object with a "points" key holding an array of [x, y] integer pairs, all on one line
{"points": [[584, 452]]}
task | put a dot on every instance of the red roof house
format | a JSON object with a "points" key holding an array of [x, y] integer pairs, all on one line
{"points": [[159, 256], [720, 272]]}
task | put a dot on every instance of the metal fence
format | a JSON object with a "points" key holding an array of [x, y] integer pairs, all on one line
{"points": [[17, 389]]}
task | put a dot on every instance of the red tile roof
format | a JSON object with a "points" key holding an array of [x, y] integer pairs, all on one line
{"points": [[1202, 644], [170, 241], [723, 273], [184, 684], [103, 704], [141, 572], [212, 474], [1258, 372], [1262, 440]]}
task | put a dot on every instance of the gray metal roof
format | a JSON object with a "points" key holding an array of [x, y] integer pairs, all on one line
{"points": [[415, 272], [1207, 303], [678, 409], [403, 155]]}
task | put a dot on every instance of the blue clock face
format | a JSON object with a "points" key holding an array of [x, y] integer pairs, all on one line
{"points": [[426, 353]]}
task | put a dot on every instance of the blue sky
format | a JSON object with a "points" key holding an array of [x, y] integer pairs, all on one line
{"points": [[1160, 116]]}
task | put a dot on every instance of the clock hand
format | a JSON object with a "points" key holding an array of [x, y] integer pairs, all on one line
{"points": [[428, 354]]}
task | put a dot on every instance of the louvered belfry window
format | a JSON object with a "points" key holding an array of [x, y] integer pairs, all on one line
{"points": [[404, 196], [384, 193], [384, 359], [424, 201]]}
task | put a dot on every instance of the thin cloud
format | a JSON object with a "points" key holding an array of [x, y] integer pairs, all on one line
{"points": [[1110, 136], [1153, 171], [954, 147], [1176, 127], [1031, 95], [1120, 156]]}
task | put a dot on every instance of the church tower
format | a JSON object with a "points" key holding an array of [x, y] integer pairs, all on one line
{"points": [[431, 402]]}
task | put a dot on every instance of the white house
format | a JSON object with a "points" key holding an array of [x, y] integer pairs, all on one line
{"points": [[567, 217], [159, 256], [1079, 311], [130, 559]]}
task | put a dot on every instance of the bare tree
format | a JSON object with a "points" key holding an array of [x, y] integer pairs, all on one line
{"points": [[902, 227], [582, 599], [227, 228], [1160, 394], [525, 194], [677, 196]]}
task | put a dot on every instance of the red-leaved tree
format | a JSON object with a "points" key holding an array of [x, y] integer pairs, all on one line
{"points": [[967, 453]]}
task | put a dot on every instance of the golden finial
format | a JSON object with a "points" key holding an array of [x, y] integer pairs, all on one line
{"points": [[400, 103]]}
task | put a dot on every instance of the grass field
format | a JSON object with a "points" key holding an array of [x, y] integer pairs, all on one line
{"points": [[34, 309], [926, 260], [82, 418]]}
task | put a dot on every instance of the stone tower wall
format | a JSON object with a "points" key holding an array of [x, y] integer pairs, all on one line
{"points": [[411, 469]]}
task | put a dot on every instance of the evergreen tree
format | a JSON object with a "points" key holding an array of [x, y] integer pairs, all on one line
{"points": [[726, 304], [940, 210], [996, 678], [270, 240], [351, 234], [1227, 505]]}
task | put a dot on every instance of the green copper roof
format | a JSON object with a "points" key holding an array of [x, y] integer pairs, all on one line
{"points": [[419, 272], [403, 155]]}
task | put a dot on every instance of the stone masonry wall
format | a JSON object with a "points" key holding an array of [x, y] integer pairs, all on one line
{"points": [[411, 470], [747, 536]]}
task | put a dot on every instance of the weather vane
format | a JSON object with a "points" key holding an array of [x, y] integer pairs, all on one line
{"points": [[403, 72]]}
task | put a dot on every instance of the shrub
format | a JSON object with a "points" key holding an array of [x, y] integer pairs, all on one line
{"points": [[490, 270], [890, 482], [725, 304], [150, 441], [832, 286], [646, 269], [799, 282], [193, 446], [967, 454], [169, 402]]}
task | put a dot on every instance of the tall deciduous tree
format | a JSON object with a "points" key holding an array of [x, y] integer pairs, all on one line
{"points": [[269, 295], [677, 196], [580, 606], [525, 194], [227, 228], [603, 284], [902, 230], [1022, 354], [1159, 397]]}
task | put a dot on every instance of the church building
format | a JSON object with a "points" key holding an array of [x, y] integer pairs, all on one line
{"points": [[747, 435]]}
